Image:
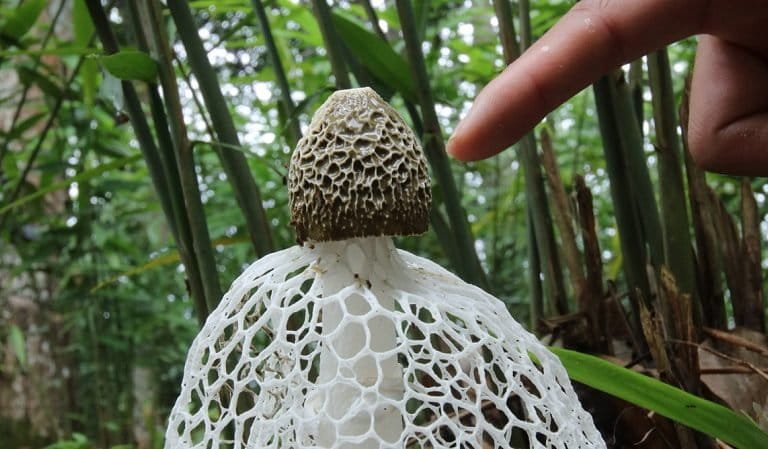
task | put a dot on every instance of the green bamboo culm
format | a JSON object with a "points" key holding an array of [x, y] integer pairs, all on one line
{"points": [[294, 127], [149, 17], [434, 148], [642, 193], [234, 163], [536, 197], [633, 249], [678, 253], [169, 193], [332, 44]]}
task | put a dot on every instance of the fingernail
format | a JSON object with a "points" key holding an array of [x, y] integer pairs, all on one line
{"points": [[449, 146]]}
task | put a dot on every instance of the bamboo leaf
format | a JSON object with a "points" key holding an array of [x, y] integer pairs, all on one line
{"points": [[132, 65], [24, 125], [16, 338], [29, 75], [166, 259], [82, 24], [666, 400], [60, 51], [89, 77], [377, 56], [22, 19], [83, 176]]}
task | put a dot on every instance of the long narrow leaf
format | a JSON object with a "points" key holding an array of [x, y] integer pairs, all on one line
{"points": [[82, 176], [377, 56], [22, 19], [666, 400], [166, 259], [16, 338]]}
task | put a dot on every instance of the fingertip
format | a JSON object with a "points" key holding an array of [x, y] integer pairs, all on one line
{"points": [[454, 147], [468, 147]]}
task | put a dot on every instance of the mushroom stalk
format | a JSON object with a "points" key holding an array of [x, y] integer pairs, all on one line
{"points": [[358, 361]]}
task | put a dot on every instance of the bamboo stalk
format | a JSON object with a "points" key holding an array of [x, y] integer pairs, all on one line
{"points": [[233, 162], [678, 254], [434, 148], [332, 44], [564, 220], [594, 304], [536, 197], [730, 247], [636, 90], [154, 163], [709, 269], [631, 240], [373, 18], [524, 13], [642, 194], [185, 163], [437, 219], [184, 239], [534, 273], [165, 149], [277, 66], [752, 304]]}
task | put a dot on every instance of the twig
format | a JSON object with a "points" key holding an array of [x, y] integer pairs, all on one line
{"points": [[763, 374], [736, 340]]}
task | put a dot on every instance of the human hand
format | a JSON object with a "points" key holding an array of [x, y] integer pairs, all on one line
{"points": [[728, 123]]}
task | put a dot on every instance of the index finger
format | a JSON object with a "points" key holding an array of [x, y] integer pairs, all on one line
{"points": [[594, 37]]}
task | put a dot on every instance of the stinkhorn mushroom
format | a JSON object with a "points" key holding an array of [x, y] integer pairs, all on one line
{"points": [[346, 342]]}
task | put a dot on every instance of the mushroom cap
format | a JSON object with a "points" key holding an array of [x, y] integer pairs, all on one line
{"points": [[358, 172]]}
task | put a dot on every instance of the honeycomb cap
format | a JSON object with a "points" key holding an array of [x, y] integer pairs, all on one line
{"points": [[358, 172]]}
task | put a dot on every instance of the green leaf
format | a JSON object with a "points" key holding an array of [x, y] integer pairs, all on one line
{"points": [[82, 23], [24, 125], [50, 87], [89, 77], [130, 65], [666, 400], [377, 56], [22, 19], [82, 176], [112, 90], [420, 15], [60, 51], [16, 338], [166, 259]]}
